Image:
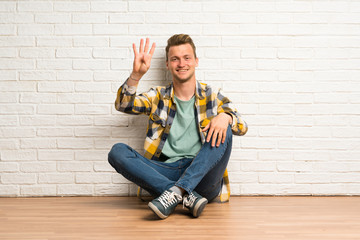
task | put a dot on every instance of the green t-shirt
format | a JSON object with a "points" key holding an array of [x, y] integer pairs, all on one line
{"points": [[184, 139]]}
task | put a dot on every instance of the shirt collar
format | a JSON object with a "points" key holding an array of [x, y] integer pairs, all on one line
{"points": [[199, 91]]}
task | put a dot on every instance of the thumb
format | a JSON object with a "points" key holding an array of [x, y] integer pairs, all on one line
{"points": [[206, 128]]}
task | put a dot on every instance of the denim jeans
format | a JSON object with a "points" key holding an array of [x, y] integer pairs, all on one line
{"points": [[204, 173]]}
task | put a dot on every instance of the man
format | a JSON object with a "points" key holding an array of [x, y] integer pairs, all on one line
{"points": [[189, 134]]}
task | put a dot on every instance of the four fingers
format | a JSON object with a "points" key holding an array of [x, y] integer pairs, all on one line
{"points": [[218, 135], [146, 49]]}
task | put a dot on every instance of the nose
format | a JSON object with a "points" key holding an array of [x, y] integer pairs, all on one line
{"points": [[181, 63]]}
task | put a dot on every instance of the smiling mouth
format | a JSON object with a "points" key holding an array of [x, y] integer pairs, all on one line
{"points": [[182, 70]]}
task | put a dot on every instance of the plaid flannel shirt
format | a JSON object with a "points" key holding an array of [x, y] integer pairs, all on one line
{"points": [[158, 104]]}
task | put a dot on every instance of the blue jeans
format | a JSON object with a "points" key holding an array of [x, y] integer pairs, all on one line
{"points": [[204, 173]]}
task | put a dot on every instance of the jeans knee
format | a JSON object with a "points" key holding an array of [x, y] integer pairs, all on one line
{"points": [[115, 152]]}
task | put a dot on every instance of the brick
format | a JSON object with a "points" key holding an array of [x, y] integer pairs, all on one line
{"points": [[93, 132], [10, 41], [116, 76], [36, 6], [74, 75], [112, 190], [58, 109], [8, 98], [8, 53], [312, 178], [74, 167], [295, 144], [19, 64], [92, 109], [281, 178], [258, 166], [110, 53], [73, 53], [37, 98], [244, 177], [55, 132], [111, 6], [56, 155], [35, 30], [38, 190], [294, 167], [311, 156], [37, 143], [16, 17], [274, 18], [293, 7], [56, 87], [18, 178], [75, 190], [9, 191], [74, 120], [73, 29], [7, 29], [110, 29], [89, 18], [8, 167], [163, 29], [17, 132], [93, 178], [258, 53], [97, 64], [71, 6], [77, 143], [37, 75], [7, 75], [54, 41], [73, 98], [142, 6], [126, 18], [52, 18], [57, 64], [56, 178], [93, 41], [329, 6], [315, 132], [8, 7], [36, 167], [8, 121]]}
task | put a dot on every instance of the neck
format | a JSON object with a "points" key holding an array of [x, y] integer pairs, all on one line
{"points": [[184, 90]]}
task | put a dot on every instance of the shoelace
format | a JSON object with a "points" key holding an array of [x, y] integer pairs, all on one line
{"points": [[169, 198], [189, 201]]}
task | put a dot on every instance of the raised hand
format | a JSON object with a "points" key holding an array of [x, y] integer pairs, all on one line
{"points": [[142, 59]]}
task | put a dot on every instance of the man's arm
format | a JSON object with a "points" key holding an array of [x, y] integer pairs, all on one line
{"points": [[219, 124], [126, 100]]}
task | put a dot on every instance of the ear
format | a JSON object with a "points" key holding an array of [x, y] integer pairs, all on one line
{"points": [[167, 65], [197, 62]]}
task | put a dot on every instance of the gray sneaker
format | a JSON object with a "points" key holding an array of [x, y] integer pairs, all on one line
{"points": [[195, 203], [165, 204]]}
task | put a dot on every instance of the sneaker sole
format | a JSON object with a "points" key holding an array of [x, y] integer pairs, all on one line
{"points": [[199, 207], [156, 211]]}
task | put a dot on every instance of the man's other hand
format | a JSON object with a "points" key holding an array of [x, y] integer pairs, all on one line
{"points": [[217, 129]]}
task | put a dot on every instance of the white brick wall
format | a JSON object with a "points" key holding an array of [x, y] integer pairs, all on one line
{"points": [[291, 67]]}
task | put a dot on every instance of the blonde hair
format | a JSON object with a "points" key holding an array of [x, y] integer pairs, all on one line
{"points": [[179, 39]]}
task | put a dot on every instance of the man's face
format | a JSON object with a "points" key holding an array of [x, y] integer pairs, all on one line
{"points": [[182, 62]]}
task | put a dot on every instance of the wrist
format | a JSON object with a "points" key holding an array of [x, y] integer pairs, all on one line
{"points": [[230, 118], [135, 77]]}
